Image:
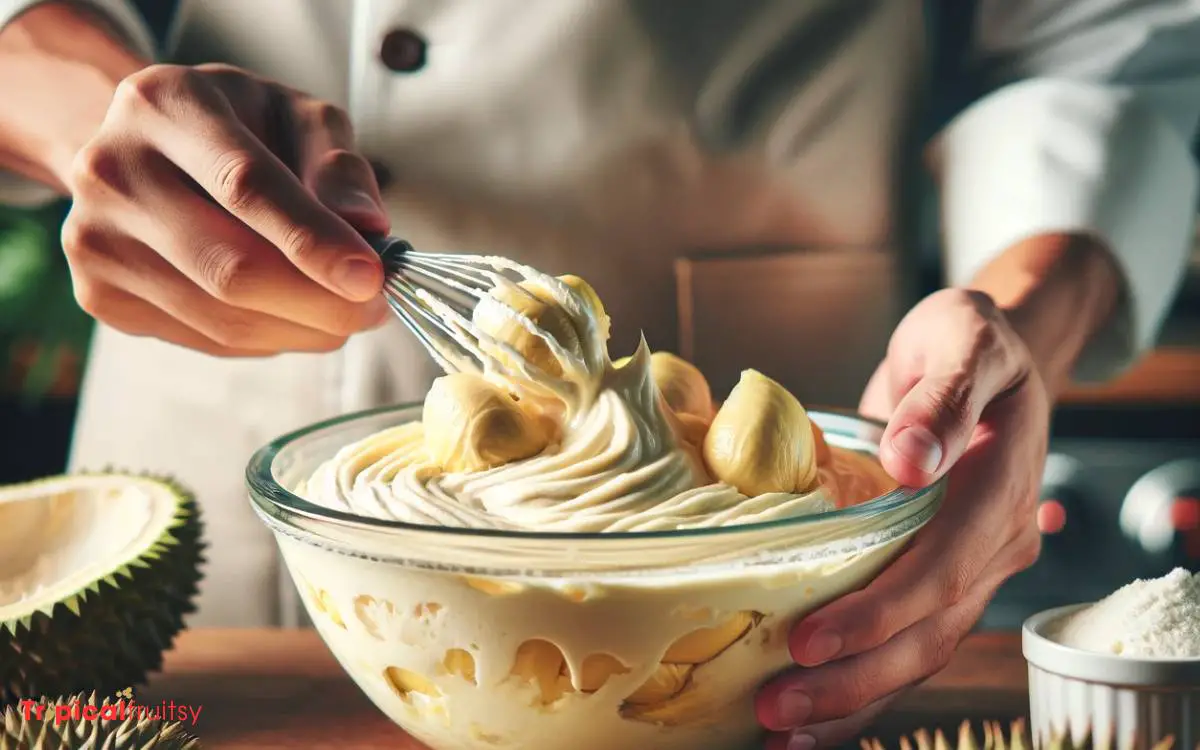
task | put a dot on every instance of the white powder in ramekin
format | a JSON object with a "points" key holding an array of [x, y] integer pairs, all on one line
{"points": [[1151, 619]]}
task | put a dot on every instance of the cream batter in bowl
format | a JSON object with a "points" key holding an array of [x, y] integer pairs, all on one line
{"points": [[496, 636]]}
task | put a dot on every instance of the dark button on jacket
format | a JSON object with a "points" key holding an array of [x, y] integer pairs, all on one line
{"points": [[402, 51]]}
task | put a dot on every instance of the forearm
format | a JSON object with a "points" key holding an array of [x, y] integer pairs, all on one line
{"points": [[1058, 290], [59, 65]]}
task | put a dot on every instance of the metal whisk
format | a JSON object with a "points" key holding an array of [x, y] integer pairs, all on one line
{"points": [[435, 296]]}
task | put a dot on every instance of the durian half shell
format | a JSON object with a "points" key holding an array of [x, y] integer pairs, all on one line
{"points": [[136, 731], [97, 571], [994, 738]]}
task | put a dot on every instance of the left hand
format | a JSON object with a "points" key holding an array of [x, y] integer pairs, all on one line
{"points": [[960, 395]]}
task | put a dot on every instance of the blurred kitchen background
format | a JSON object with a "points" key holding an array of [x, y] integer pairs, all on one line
{"points": [[1121, 496]]}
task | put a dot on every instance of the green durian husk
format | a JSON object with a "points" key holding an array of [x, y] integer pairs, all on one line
{"points": [[994, 738], [132, 733], [113, 633]]}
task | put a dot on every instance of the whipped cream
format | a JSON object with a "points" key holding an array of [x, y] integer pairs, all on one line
{"points": [[619, 465]]}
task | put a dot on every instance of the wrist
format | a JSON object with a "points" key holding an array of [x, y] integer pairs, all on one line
{"points": [[1057, 291], [61, 62]]}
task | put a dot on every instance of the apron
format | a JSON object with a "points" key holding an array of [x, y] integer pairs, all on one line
{"points": [[727, 175]]}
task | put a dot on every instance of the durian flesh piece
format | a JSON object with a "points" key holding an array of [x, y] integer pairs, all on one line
{"points": [[541, 663], [537, 303], [705, 644], [590, 298], [682, 385], [472, 424], [119, 726], [667, 681], [96, 591], [761, 439]]}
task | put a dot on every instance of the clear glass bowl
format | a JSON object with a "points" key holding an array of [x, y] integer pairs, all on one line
{"points": [[533, 641]]}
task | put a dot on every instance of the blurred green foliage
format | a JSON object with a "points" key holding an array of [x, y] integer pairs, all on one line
{"points": [[37, 302]]}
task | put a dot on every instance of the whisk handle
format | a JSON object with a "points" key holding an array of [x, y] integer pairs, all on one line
{"points": [[389, 248]]}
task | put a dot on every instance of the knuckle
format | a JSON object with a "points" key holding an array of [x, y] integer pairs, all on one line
{"points": [[872, 628], [91, 297], [98, 169], [346, 162], [952, 398], [219, 69], [237, 178], [330, 117], [943, 642], [300, 242], [858, 690], [222, 270], [956, 579], [151, 86], [81, 239]]}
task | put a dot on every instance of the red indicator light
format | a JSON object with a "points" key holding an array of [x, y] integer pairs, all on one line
{"points": [[1051, 517]]}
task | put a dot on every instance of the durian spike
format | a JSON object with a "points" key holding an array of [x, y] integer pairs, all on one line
{"points": [[1002, 742], [924, 741], [1017, 735], [905, 744], [966, 738], [939, 740]]}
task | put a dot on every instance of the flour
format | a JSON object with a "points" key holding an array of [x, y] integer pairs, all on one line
{"points": [[1158, 618]]}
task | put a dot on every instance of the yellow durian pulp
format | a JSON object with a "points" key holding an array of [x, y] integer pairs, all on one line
{"points": [[535, 301], [761, 439], [682, 385], [472, 425], [545, 314], [591, 300]]}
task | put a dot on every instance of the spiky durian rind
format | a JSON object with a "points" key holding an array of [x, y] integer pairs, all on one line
{"points": [[994, 738], [113, 631], [135, 731]]}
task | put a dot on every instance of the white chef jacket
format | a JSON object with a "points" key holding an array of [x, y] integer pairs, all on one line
{"points": [[613, 138]]}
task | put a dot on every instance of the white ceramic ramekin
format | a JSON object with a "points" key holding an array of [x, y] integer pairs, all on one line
{"points": [[1121, 703]]}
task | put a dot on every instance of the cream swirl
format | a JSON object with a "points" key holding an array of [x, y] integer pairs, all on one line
{"points": [[619, 463]]}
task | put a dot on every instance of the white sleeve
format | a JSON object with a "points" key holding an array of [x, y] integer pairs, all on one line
{"points": [[1088, 114], [16, 190]]}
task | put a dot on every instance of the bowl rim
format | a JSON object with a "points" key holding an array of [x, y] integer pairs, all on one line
{"points": [[270, 497], [1045, 654]]}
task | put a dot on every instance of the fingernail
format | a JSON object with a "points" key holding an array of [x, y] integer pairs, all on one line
{"points": [[823, 646], [802, 741], [919, 447], [794, 707], [356, 200], [358, 278]]}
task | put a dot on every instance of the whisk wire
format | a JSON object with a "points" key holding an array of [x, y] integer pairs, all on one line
{"points": [[435, 295]]}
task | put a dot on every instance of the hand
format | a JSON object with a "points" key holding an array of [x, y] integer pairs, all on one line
{"points": [[222, 212], [960, 395]]}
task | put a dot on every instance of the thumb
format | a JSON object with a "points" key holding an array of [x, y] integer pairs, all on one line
{"points": [[930, 428], [968, 363]]}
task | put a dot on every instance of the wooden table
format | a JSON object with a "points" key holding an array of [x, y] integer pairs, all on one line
{"points": [[282, 689]]}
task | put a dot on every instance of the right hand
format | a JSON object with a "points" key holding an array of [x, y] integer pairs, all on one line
{"points": [[224, 213]]}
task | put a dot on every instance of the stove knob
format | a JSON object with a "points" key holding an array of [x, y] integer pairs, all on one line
{"points": [[1161, 511], [1061, 512]]}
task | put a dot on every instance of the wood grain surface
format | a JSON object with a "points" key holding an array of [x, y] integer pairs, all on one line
{"points": [[282, 689]]}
